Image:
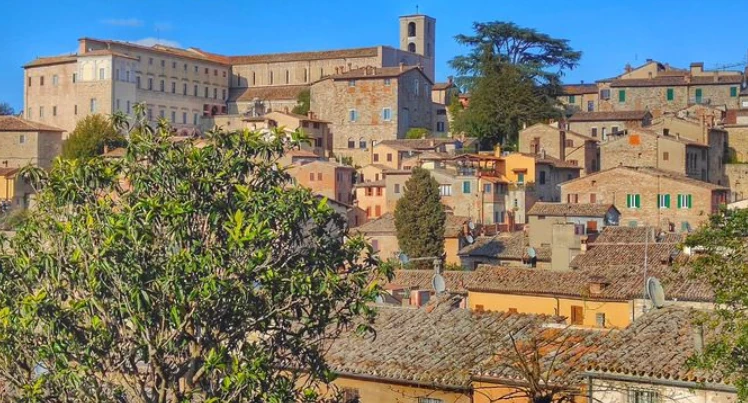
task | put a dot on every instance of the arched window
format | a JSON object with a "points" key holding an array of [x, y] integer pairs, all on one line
{"points": [[412, 47], [362, 143], [351, 143], [411, 29], [271, 77], [306, 74], [288, 77]]}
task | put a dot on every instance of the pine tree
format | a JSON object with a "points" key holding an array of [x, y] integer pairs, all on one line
{"points": [[420, 217]]}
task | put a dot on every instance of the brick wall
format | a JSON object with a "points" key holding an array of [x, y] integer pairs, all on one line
{"points": [[736, 176]]}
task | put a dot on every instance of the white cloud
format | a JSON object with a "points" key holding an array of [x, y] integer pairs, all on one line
{"points": [[123, 22], [150, 41]]}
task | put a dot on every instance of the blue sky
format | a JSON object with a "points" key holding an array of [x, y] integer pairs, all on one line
{"points": [[609, 33]]}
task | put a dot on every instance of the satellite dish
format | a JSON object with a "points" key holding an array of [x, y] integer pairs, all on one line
{"points": [[471, 225], [655, 292], [379, 299], [531, 252], [438, 283], [469, 239], [403, 258]]}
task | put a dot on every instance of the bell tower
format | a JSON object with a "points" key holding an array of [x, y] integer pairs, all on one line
{"points": [[418, 34]]}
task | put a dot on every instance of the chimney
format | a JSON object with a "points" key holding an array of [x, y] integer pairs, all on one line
{"points": [[697, 68], [597, 285], [583, 245], [628, 68], [497, 151], [402, 66]]}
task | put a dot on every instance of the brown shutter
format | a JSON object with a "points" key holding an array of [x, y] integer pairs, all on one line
{"points": [[591, 227], [577, 315]]}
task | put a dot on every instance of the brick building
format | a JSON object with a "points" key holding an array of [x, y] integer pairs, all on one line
{"points": [[649, 196], [330, 179], [372, 104], [599, 125], [566, 145]]}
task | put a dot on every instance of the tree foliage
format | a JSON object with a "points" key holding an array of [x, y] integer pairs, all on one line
{"points": [[420, 217], [513, 74], [418, 133], [6, 109], [303, 102], [723, 261], [90, 136], [186, 271]]}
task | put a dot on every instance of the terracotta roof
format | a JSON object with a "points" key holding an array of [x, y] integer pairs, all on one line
{"points": [[623, 282], [680, 80], [302, 154], [375, 73], [657, 346], [603, 116], [421, 280], [512, 245], [555, 162], [636, 235], [16, 124], [106, 52], [579, 89], [285, 92], [439, 346], [416, 144], [191, 53], [385, 224], [626, 254], [649, 171], [301, 56], [583, 136], [8, 172], [51, 60], [371, 184], [454, 225], [570, 209], [304, 118], [443, 86], [625, 133]]}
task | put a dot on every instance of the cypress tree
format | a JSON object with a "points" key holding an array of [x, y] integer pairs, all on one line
{"points": [[420, 217]]}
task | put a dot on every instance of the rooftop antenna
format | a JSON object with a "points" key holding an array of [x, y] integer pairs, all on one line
{"points": [[416, 9]]}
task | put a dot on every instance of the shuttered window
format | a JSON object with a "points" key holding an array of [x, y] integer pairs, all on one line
{"points": [[621, 96], [670, 94], [577, 315]]}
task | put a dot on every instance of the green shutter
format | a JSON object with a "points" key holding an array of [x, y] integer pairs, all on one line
{"points": [[698, 95], [621, 95], [637, 200], [667, 201], [680, 203], [733, 91], [572, 99], [670, 94], [628, 201], [466, 187], [689, 200]]}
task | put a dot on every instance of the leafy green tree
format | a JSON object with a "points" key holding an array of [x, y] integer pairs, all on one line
{"points": [[6, 109], [420, 217], [90, 136], [723, 261], [514, 64], [302, 102], [418, 133], [183, 272]]}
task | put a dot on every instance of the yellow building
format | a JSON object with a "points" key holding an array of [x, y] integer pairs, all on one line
{"points": [[8, 183]]}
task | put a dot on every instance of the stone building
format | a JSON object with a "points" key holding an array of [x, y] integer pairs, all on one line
{"points": [[330, 179], [566, 145], [600, 125], [372, 104], [371, 197], [649, 196], [109, 76], [658, 88], [645, 148]]}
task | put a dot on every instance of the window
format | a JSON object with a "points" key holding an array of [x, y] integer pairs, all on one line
{"points": [[486, 188], [22, 139], [351, 83], [215, 72], [590, 106], [600, 319], [431, 399], [185, 67], [41, 111], [665, 155], [593, 132], [271, 77], [376, 157], [207, 70], [194, 119], [215, 93], [173, 65], [569, 143], [163, 63], [733, 92], [685, 226], [173, 87], [521, 178], [377, 208], [603, 134], [29, 84], [55, 80], [572, 198], [465, 187], [389, 157], [351, 143], [306, 75], [173, 116], [195, 90], [184, 89], [542, 178], [445, 190], [128, 107], [102, 74], [150, 83], [223, 94], [440, 127], [368, 212], [311, 176], [205, 92], [369, 191], [412, 47], [663, 201], [614, 130], [397, 188], [577, 315], [150, 114], [161, 85], [387, 114], [605, 94], [643, 396], [593, 198], [698, 95], [417, 88], [92, 105], [362, 143], [150, 60], [387, 82], [633, 201], [352, 115], [197, 68], [41, 80], [161, 114], [478, 308], [572, 99], [621, 96], [670, 94], [685, 201], [137, 82], [116, 103], [75, 78]]}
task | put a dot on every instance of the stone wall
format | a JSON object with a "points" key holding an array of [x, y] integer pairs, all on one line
{"points": [[737, 178], [737, 135]]}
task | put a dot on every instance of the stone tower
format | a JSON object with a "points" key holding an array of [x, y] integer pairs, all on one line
{"points": [[418, 35]]}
